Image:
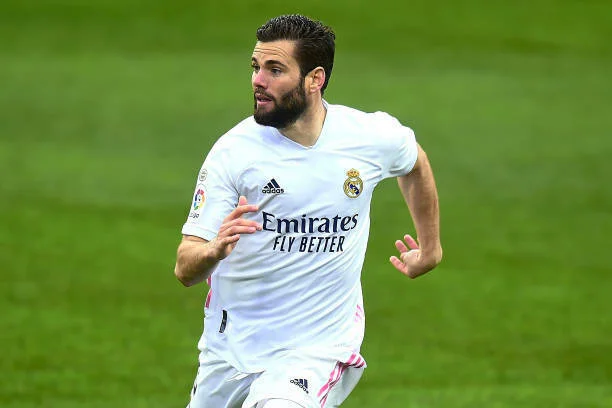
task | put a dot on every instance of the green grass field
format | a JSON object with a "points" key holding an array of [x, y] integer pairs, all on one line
{"points": [[107, 109]]}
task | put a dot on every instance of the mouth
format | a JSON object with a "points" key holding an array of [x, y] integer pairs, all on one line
{"points": [[262, 99]]}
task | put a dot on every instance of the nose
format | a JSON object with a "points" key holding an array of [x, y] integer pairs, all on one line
{"points": [[258, 79]]}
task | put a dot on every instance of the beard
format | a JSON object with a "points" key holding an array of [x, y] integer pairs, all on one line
{"points": [[286, 111]]}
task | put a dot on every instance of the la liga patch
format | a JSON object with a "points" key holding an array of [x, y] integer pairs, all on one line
{"points": [[198, 198]]}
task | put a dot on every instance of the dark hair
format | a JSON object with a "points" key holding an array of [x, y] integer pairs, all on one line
{"points": [[315, 42]]}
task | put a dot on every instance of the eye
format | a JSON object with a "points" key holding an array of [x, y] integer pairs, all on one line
{"points": [[255, 67], [276, 71]]}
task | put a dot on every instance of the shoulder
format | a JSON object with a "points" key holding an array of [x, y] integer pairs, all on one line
{"points": [[366, 120], [245, 136], [378, 129]]}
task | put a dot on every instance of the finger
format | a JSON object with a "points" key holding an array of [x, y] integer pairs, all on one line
{"points": [[412, 244], [224, 245], [399, 265], [240, 211], [242, 200], [225, 241], [240, 222], [237, 230], [401, 246]]}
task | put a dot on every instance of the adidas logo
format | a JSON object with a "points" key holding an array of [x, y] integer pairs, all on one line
{"points": [[302, 383], [272, 188]]}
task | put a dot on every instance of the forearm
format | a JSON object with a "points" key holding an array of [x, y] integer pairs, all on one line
{"points": [[194, 262], [419, 190]]}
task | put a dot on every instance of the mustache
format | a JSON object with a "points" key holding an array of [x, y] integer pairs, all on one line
{"points": [[261, 92]]}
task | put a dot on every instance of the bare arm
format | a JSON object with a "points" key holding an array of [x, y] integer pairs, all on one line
{"points": [[194, 260], [197, 257], [419, 190]]}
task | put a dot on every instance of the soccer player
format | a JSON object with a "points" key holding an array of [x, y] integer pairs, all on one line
{"points": [[279, 225]]}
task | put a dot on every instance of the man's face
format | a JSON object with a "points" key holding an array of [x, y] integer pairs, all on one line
{"points": [[278, 87]]}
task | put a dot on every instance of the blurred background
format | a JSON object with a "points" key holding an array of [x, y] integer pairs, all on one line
{"points": [[108, 108]]}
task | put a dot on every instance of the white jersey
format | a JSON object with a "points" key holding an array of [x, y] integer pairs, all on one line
{"points": [[296, 284]]}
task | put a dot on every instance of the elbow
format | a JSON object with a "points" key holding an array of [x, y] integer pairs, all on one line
{"points": [[183, 277]]}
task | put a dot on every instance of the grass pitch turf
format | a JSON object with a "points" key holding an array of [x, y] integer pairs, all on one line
{"points": [[108, 108]]}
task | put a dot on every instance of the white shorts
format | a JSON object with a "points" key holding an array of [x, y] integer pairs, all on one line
{"points": [[310, 381]]}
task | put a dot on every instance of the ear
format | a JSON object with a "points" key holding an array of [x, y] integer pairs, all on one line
{"points": [[315, 80]]}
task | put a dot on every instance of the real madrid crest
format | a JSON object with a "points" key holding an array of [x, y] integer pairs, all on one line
{"points": [[353, 185]]}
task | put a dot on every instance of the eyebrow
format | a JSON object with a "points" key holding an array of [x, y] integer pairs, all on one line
{"points": [[269, 62]]}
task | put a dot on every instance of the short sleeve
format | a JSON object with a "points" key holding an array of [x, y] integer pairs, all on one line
{"points": [[214, 197], [399, 146]]}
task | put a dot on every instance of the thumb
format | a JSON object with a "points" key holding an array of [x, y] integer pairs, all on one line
{"points": [[242, 200]]}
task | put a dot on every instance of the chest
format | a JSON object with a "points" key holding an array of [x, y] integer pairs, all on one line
{"points": [[315, 182]]}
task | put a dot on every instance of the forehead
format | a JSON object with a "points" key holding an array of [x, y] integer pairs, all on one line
{"points": [[281, 50]]}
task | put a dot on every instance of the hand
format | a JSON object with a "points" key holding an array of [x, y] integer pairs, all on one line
{"points": [[412, 261], [234, 225]]}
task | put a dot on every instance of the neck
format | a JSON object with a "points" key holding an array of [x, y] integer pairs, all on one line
{"points": [[307, 129]]}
